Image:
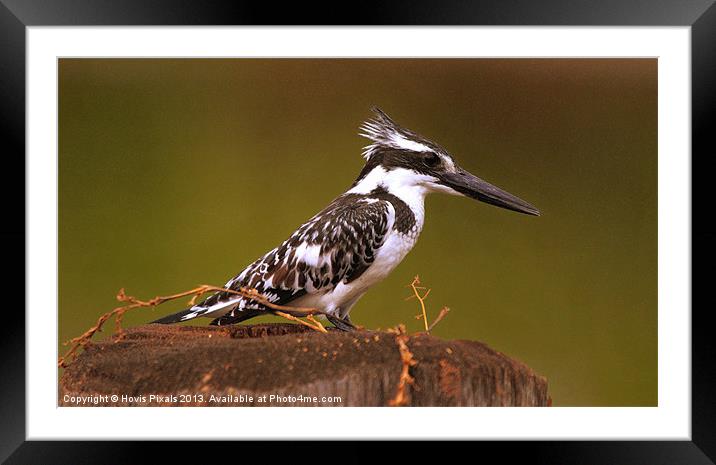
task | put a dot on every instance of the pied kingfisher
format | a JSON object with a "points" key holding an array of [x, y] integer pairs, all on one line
{"points": [[360, 237]]}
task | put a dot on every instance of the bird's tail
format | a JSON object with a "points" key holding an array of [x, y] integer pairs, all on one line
{"points": [[183, 315]]}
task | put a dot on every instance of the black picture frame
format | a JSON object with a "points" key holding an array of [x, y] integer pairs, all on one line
{"points": [[16, 15]]}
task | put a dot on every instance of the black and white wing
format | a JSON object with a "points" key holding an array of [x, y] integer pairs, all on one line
{"points": [[336, 245]]}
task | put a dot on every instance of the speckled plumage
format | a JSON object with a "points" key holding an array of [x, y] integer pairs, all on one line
{"points": [[333, 248]]}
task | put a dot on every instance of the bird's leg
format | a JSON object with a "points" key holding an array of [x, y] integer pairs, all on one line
{"points": [[347, 319], [344, 324]]}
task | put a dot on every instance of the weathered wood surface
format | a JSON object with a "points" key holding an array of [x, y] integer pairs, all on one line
{"points": [[192, 364]]}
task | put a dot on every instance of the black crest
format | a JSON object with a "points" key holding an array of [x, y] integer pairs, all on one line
{"points": [[386, 134], [397, 147]]}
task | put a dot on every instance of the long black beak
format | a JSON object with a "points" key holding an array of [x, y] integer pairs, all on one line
{"points": [[474, 187]]}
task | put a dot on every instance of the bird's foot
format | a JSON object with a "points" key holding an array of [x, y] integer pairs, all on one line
{"points": [[344, 324]]}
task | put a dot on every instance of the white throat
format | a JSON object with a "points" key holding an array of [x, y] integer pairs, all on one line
{"points": [[405, 184]]}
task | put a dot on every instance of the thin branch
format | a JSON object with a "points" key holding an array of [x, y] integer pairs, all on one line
{"points": [[316, 324], [443, 312], [416, 294], [414, 285], [132, 302]]}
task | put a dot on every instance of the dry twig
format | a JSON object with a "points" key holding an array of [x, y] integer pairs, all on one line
{"points": [[132, 302], [406, 357], [314, 324], [415, 286], [443, 312], [421, 298]]}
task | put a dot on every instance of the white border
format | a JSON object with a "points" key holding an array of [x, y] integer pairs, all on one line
{"points": [[670, 420]]}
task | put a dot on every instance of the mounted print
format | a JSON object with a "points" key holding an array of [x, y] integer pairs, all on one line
{"points": [[473, 233]]}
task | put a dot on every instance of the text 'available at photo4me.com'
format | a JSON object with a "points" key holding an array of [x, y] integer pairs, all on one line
{"points": [[194, 399]]}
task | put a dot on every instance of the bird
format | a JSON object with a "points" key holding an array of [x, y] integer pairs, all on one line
{"points": [[355, 242]]}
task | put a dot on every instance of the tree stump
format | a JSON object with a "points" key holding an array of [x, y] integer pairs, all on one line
{"points": [[291, 365]]}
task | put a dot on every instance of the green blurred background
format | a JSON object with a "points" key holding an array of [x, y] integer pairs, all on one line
{"points": [[180, 172]]}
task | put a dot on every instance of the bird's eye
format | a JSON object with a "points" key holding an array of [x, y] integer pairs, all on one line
{"points": [[431, 160]]}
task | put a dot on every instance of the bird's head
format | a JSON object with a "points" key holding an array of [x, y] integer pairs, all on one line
{"points": [[399, 159]]}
